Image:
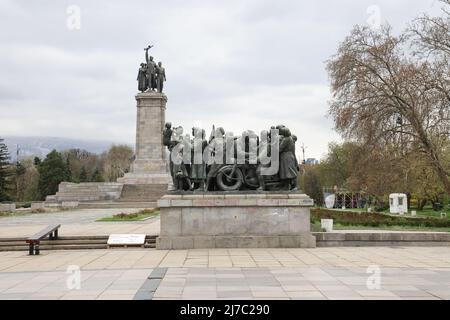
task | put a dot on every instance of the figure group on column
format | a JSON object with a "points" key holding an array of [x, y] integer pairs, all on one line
{"points": [[151, 76]]}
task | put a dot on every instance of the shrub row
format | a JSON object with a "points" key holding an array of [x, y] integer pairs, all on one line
{"points": [[374, 219]]}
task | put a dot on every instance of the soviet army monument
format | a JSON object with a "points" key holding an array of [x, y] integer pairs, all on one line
{"points": [[225, 191], [148, 178], [150, 165], [149, 172]]}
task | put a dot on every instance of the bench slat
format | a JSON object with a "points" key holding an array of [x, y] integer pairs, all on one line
{"points": [[43, 233]]}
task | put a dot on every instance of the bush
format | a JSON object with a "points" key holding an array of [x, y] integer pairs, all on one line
{"points": [[135, 214], [23, 205], [381, 207], [373, 219]]}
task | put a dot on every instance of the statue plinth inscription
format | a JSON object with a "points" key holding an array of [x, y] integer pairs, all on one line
{"points": [[150, 164]]}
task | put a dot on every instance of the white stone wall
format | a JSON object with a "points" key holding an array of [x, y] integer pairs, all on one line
{"points": [[7, 207]]}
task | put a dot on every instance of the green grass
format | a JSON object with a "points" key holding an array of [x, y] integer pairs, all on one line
{"points": [[135, 216], [429, 212], [15, 213], [376, 220], [391, 228], [28, 211], [426, 212], [315, 227]]}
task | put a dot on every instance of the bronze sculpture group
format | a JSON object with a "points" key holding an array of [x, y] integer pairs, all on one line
{"points": [[223, 162], [151, 76], [230, 163]]}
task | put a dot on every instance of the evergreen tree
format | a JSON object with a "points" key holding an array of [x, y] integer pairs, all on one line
{"points": [[5, 172], [18, 182], [70, 178], [83, 175], [97, 176], [37, 161], [52, 171]]}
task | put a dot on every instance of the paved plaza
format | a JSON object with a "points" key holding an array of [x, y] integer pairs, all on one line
{"points": [[320, 273]]}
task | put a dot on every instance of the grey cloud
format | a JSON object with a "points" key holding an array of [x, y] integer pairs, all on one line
{"points": [[245, 64]]}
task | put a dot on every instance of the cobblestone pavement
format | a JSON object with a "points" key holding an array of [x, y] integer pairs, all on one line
{"points": [[321, 273]]}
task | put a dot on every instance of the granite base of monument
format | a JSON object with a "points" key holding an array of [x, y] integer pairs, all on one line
{"points": [[150, 165], [223, 220]]}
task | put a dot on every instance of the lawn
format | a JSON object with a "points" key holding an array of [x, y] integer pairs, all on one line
{"points": [[348, 220], [135, 216], [14, 214], [426, 212], [429, 212], [315, 227]]}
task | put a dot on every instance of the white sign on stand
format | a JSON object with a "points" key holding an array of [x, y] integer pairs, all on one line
{"points": [[126, 239]]}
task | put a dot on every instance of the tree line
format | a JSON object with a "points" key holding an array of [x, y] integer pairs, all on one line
{"points": [[357, 167], [391, 104], [32, 179]]}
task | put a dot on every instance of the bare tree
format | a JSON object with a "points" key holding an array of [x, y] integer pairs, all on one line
{"points": [[431, 35], [383, 94], [116, 161]]}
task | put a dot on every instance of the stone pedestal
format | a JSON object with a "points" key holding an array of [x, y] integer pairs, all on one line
{"points": [[150, 164], [222, 220]]}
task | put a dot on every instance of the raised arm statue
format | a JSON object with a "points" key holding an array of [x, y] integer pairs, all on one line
{"points": [[151, 69], [146, 52]]}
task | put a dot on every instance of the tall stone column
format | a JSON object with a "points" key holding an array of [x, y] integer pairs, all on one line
{"points": [[150, 164]]}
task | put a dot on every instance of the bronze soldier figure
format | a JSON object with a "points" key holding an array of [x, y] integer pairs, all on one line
{"points": [[294, 181], [198, 167], [215, 147], [142, 78], [180, 172], [288, 168], [151, 70], [167, 141], [160, 77]]}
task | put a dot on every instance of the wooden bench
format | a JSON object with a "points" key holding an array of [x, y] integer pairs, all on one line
{"points": [[51, 231]]}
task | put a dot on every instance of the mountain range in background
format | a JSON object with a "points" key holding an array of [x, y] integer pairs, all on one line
{"points": [[41, 146]]}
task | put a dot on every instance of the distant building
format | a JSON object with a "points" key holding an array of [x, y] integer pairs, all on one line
{"points": [[312, 161]]}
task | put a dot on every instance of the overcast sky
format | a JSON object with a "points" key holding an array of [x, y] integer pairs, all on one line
{"points": [[237, 64]]}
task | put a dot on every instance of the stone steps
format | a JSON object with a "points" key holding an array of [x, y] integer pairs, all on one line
{"points": [[104, 192], [86, 191], [142, 193], [66, 243], [117, 204]]}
